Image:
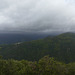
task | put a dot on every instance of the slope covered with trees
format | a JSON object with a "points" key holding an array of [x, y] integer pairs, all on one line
{"points": [[61, 47], [45, 66]]}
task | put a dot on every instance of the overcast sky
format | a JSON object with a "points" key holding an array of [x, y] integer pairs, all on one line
{"points": [[37, 16]]}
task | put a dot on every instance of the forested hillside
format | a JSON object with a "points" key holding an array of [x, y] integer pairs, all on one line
{"points": [[61, 47], [45, 66]]}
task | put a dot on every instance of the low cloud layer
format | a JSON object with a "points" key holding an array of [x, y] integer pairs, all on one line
{"points": [[37, 16]]}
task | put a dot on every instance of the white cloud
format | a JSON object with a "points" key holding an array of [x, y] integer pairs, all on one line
{"points": [[37, 15]]}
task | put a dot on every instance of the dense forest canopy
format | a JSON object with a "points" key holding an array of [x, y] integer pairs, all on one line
{"points": [[45, 66], [61, 47], [48, 56]]}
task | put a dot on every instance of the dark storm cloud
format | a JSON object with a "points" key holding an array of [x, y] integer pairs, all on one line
{"points": [[37, 15]]}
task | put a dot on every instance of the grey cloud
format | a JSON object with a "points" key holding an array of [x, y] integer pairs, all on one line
{"points": [[37, 15]]}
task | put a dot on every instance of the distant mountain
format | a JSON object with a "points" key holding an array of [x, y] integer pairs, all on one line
{"points": [[62, 47], [18, 37]]}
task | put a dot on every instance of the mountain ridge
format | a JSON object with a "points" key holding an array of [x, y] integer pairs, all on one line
{"points": [[61, 47]]}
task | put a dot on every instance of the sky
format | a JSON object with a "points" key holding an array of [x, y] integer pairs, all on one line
{"points": [[37, 16]]}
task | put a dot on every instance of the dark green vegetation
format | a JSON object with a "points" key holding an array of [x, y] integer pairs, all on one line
{"points": [[61, 47], [61, 50], [45, 66]]}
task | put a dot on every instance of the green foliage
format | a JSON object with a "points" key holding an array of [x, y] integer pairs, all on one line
{"points": [[61, 47], [45, 66]]}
